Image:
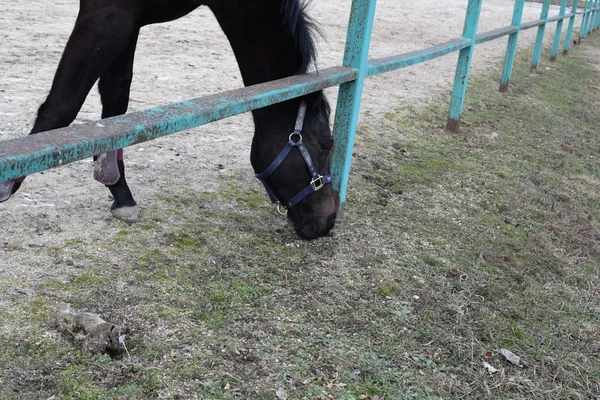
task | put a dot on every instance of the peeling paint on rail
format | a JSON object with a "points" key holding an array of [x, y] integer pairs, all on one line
{"points": [[35, 153]]}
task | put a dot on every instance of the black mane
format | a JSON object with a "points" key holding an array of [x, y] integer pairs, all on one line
{"points": [[302, 29]]}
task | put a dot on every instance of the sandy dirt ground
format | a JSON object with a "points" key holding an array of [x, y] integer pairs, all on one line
{"points": [[185, 59]]}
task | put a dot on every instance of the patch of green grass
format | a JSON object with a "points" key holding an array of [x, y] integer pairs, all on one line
{"points": [[388, 288], [76, 383], [188, 241], [123, 234], [430, 260], [252, 199], [74, 242], [88, 279], [427, 171], [149, 225], [56, 284], [163, 197], [40, 311]]}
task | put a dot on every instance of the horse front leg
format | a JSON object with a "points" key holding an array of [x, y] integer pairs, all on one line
{"points": [[114, 87], [100, 35]]}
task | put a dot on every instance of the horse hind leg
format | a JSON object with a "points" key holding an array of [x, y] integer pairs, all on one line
{"points": [[100, 35], [114, 87]]}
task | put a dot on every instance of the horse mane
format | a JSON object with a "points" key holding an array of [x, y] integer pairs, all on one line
{"points": [[303, 30]]}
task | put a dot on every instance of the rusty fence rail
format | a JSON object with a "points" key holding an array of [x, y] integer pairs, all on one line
{"points": [[35, 153]]}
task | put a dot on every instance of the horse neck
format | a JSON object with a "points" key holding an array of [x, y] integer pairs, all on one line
{"points": [[265, 50]]}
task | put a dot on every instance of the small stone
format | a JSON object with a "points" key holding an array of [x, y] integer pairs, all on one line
{"points": [[511, 221], [281, 394]]}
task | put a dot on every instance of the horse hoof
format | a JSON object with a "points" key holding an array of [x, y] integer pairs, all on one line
{"points": [[129, 215], [6, 190]]}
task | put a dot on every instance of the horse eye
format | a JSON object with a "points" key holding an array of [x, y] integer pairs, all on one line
{"points": [[326, 145]]}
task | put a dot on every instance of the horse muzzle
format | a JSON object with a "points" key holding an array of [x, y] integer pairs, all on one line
{"points": [[315, 219]]}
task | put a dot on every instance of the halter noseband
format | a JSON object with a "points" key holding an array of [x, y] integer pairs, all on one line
{"points": [[317, 182]]}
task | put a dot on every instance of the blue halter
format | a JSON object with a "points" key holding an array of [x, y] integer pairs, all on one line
{"points": [[295, 141]]}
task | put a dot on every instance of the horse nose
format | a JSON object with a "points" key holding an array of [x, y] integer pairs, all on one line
{"points": [[313, 228]]}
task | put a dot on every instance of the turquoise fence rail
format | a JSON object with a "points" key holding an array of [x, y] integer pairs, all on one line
{"points": [[35, 153]]}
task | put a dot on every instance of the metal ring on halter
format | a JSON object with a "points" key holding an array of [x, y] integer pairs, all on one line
{"points": [[297, 134], [281, 209]]}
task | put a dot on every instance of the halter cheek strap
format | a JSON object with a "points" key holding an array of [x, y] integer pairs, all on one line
{"points": [[295, 141]]}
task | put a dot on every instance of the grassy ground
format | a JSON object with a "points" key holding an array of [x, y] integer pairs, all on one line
{"points": [[452, 248]]}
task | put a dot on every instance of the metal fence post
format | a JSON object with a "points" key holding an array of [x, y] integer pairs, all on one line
{"points": [[593, 14], [570, 28], [594, 23], [592, 19], [356, 55], [511, 48], [463, 67], [585, 20], [539, 42], [558, 32]]}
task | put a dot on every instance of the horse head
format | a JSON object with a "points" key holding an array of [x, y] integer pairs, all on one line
{"points": [[295, 169]]}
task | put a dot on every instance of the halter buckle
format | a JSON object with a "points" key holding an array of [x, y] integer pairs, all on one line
{"points": [[320, 185]]}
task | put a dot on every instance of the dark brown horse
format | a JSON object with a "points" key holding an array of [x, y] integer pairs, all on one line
{"points": [[271, 39]]}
